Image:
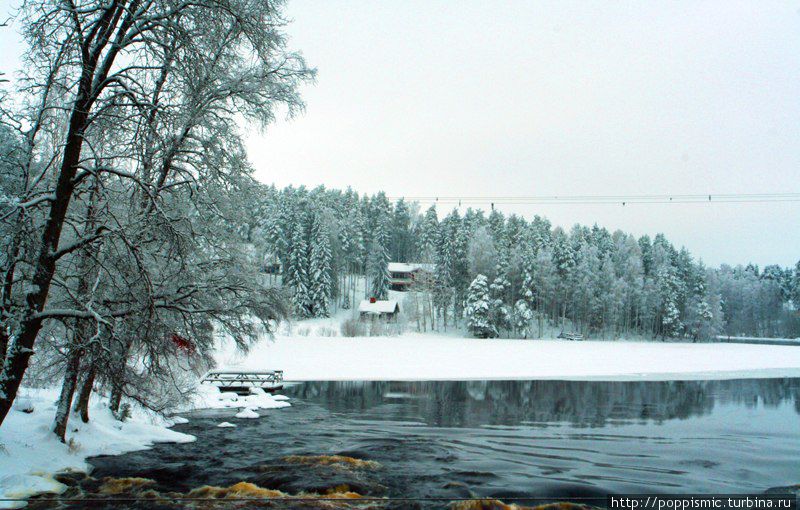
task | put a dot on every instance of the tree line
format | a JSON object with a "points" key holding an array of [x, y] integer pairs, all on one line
{"points": [[510, 276]]}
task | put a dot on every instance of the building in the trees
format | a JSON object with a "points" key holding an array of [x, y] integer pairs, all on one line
{"points": [[272, 264], [403, 276], [386, 309]]}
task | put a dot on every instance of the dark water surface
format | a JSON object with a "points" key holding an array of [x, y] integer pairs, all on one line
{"points": [[498, 439]]}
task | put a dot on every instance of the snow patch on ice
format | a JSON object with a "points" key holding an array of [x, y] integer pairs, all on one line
{"points": [[226, 424]]}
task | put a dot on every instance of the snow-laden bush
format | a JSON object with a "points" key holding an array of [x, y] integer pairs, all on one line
{"points": [[376, 327], [326, 331], [353, 328]]}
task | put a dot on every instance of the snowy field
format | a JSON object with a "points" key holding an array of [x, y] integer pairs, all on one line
{"points": [[432, 357]]}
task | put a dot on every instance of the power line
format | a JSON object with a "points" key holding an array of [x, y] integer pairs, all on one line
{"points": [[606, 199]]}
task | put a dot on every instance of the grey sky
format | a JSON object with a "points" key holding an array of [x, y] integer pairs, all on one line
{"points": [[556, 98]]}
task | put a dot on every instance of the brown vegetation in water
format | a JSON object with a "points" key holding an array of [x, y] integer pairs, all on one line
{"points": [[332, 460], [496, 504], [241, 495], [114, 486], [235, 491], [247, 490]]}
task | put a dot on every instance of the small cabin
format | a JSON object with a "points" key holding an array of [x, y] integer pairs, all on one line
{"points": [[386, 309], [271, 264], [403, 276]]}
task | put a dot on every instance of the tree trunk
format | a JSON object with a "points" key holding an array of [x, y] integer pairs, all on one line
{"points": [[82, 404], [8, 283], [67, 392], [18, 355], [118, 382]]}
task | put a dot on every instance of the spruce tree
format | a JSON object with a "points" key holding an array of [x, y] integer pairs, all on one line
{"points": [[401, 242], [428, 235], [442, 281], [320, 274], [477, 309], [378, 263], [499, 314], [668, 284], [523, 316], [298, 271]]}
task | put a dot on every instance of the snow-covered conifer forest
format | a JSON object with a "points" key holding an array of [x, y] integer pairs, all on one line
{"points": [[133, 232], [510, 276]]}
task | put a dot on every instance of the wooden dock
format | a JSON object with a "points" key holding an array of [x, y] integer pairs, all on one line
{"points": [[243, 381]]}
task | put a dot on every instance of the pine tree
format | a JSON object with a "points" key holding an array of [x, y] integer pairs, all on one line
{"points": [[320, 274], [477, 309]]}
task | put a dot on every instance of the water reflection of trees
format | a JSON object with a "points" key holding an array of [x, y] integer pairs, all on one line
{"points": [[581, 403]]}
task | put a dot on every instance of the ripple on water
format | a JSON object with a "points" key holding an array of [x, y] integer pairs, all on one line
{"points": [[495, 440]]}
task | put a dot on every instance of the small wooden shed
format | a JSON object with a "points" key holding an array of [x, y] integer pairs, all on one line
{"points": [[387, 309]]}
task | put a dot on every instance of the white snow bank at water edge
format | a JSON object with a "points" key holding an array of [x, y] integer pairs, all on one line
{"points": [[209, 397], [435, 357], [31, 453]]}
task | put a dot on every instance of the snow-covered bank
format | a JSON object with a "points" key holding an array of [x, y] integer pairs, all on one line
{"points": [[431, 357], [30, 454]]}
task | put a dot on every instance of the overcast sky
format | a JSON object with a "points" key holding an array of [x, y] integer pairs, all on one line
{"points": [[555, 98]]}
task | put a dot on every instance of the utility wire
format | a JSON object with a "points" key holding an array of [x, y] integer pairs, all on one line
{"points": [[607, 199]]}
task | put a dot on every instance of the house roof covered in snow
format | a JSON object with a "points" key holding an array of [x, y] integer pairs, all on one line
{"points": [[379, 306], [409, 267]]}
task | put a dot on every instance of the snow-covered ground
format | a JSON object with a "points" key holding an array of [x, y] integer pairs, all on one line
{"points": [[30, 454], [429, 357]]}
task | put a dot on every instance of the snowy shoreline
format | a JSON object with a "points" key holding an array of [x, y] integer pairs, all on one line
{"points": [[31, 455]]}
